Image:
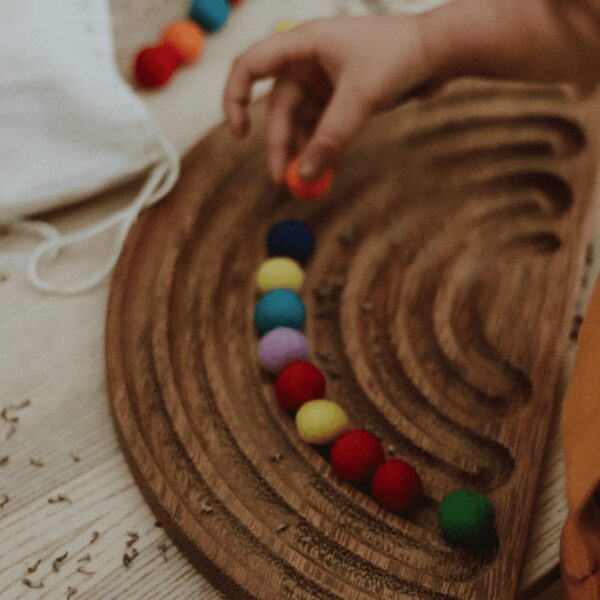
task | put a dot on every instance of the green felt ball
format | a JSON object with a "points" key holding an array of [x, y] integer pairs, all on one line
{"points": [[467, 517]]}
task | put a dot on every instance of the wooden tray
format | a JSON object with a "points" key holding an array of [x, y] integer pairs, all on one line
{"points": [[439, 302]]}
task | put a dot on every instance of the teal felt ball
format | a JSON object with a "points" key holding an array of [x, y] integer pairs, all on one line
{"points": [[467, 518], [211, 15], [279, 308]]}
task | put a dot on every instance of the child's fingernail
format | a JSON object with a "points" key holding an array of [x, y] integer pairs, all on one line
{"points": [[308, 169]]}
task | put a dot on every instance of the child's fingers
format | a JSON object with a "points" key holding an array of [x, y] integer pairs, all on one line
{"points": [[341, 120], [310, 74], [264, 59], [285, 99], [305, 119], [309, 113]]}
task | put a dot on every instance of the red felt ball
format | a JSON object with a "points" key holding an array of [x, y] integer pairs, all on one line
{"points": [[356, 454], [298, 383], [155, 65], [396, 485]]}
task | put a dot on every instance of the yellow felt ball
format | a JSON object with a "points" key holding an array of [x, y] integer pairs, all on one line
{"points": [[321, 421], [280, 272], [284, 25]]}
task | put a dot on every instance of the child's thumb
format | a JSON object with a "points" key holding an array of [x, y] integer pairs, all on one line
{"points": [[341, 120]]}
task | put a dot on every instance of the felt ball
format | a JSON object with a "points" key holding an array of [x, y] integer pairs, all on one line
{"points": [[211, 15], [321, 421], [307, 189], [284, 25], [279, 308], [155, 65], [467, 517], [396, 485], [186, 38], [291, 238], [356, 454], [280, 347], [298, 383], [280, 272]]}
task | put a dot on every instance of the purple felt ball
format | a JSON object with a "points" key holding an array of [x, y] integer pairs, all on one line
{"points": [[280, 347]]}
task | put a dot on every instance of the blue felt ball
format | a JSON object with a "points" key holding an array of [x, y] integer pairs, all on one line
{"points": [[279, 308], [210, 14], [291, 238]]}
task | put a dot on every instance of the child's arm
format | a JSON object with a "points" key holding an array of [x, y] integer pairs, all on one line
{"points": [[332, 74], [540, 40]]}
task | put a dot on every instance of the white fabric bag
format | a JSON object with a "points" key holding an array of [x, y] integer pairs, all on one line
{"points": [[70, 127]]}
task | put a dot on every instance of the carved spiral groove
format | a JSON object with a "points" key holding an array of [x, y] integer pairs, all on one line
{"points": [[445, 229]]}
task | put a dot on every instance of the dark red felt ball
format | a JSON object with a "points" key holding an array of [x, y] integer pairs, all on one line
{"points": [[298, 383], [356, 454], [155, 65], [396, 485]]}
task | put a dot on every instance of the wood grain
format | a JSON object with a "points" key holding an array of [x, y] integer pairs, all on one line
{"points": [[468, 218]]}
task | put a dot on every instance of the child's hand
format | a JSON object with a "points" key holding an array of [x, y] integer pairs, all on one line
{"points": [[334, 73], [337, 72]]}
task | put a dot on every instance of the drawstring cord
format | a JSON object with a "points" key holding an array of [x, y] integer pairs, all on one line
{"points": [[160, 181], [17, 260]]}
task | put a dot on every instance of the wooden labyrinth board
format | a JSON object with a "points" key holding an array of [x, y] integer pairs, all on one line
{"points": [[439, 303]]}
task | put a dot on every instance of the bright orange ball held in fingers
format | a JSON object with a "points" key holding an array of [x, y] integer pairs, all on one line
{"points": [[307, 189]]}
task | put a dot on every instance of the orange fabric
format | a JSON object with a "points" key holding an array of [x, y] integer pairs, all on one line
{"points": [[580, 543]]}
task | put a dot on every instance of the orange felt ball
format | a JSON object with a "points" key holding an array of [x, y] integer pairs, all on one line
{"points": [[186, 38], [303, 188]]}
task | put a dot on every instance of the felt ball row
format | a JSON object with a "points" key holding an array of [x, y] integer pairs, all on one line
{"points": [[356, 455], [467, 517], [181, 43]]}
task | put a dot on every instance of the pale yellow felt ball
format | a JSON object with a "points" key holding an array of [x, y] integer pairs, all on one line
{"points": [[280, 272], [321, 421], [284, 25]]}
